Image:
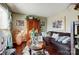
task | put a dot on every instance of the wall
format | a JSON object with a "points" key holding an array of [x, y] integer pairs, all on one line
{"points": [[15, 17], [69, 15], [15, 28], [44, 26]]}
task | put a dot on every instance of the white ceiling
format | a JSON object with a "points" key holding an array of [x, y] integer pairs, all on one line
{"points": [[40, 9]]}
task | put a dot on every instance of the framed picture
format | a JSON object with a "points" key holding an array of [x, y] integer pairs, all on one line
{"points": [[42, 23], [59, 23], [19, 22]]}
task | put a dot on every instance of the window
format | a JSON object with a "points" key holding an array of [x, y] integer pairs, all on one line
{"points": [[4, 21]]}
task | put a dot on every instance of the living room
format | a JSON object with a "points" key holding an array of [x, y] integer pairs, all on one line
{"points": [[39, 28]]}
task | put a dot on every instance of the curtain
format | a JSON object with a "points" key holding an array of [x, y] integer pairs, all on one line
{"points": [[5, 23]]}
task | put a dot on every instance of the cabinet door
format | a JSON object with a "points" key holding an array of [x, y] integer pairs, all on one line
{"points": [[33, 24], [36, 25], [29, 24]]}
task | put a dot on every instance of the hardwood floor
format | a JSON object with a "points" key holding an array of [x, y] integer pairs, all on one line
{"points": [[19, 49]]}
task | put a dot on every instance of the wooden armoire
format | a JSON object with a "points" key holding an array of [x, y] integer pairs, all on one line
{"points": [[31, 23]]}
